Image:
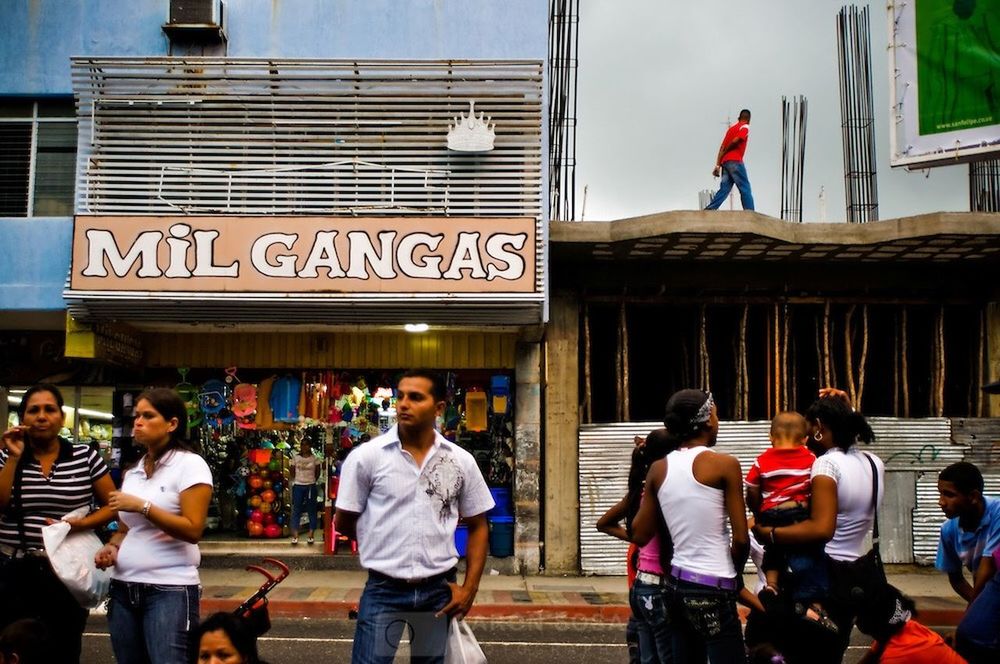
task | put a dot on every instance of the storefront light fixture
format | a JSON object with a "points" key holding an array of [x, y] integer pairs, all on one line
{"points": [[416, 328], [84, 412]]}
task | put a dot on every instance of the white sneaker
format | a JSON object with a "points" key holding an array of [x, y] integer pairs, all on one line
{"points": [[295, 540]]}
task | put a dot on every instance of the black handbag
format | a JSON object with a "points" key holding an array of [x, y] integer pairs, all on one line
{"points": [[853, 582]]}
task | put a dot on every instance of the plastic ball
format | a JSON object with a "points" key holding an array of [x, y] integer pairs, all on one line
{"points": [[265, 507], [264, 473], [272, 531], [254, 468], [255, 529], [248, 512], [277, 486], [274, 465], [254, 501], [279, 519], [267, 484], [268, 519], [257, 516], [255, 482], [268, 496]]}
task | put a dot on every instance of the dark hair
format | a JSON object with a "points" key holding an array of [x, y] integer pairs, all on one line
{"points": [[885, 613], [170, 405], [658, 444], [846, 425], [746, 111], [965, 476], [35, 389], [682, 407], [235, 629], [29, 639], [438, 389]]}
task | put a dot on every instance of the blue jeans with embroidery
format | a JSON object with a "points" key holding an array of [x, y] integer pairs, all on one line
{"points": [[303, 497], [388, 608], [733, 172], [648, 603], [150, 623], [704, 624]]}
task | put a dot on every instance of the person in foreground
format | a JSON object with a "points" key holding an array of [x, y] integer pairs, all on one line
{"points": [[400, 496], [889, 617], [162, 507], [26, 641], [42, 478], [224, 638], [969, 539], [842, 511], [696, 491]]}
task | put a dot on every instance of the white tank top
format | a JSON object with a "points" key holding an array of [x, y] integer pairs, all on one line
{"points": [[696, 517]]}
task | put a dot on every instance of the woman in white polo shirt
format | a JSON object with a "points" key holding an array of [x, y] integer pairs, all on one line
{"points": [[162, 507]]}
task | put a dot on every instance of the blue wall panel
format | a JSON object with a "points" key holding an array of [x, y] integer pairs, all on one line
{"points": [[34, 262]]}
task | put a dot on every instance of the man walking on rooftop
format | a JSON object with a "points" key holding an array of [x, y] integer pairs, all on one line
{"points": [[401, 496], [729, 164]]}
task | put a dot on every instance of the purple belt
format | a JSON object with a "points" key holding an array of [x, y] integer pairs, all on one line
{"points": [[725, 583]]}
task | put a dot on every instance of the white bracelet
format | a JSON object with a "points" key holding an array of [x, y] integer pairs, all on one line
{"points": [[145, 509]]}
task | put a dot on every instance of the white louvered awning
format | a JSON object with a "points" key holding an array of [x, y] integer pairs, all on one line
{"points": [[217, 136]]}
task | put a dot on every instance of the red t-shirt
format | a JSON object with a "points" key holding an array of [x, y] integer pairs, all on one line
{"points": [[915, 644], [741, 130], [782, 475]]}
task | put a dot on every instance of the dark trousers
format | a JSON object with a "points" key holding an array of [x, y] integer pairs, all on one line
{"points": [[810, 579], [703, 624], [30, 589]]}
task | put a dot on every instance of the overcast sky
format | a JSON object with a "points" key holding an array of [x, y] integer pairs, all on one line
{"points": [[658, 80]]}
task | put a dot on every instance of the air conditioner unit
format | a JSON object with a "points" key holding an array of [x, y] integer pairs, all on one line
{"points": [[196, 12], [196, 21]]}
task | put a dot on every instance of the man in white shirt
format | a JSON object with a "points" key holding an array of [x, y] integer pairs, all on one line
{"points": [[401, 496]]}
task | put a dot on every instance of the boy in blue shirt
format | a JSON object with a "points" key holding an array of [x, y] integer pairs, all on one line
{"points": [[968, 539]]}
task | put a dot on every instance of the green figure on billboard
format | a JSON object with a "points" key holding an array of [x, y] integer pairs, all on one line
{"points": [[958, 64]]}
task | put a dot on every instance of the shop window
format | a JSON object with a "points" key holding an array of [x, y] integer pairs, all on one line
{"points": [[37, 157]]}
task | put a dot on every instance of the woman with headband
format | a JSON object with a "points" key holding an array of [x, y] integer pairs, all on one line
{"points": [[696, 490]]}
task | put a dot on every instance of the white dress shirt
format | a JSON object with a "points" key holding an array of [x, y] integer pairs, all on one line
{"points": [[408, 513]]}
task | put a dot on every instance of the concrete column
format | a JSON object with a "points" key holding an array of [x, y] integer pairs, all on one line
{"points": [[527, 457], [993, 354], [561, 545]]}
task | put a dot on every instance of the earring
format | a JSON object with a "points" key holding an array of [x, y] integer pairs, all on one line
{"points": [[818, 436]]}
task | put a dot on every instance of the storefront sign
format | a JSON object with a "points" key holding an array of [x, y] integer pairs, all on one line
{"points": [[114, 343], [304, 254]]}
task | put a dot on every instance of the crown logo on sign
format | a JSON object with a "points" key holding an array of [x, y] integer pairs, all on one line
{"points": [[471, 134]]}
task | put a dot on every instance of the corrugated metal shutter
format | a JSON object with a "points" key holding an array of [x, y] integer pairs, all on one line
{"points": [[233, 136], [915, 445]]}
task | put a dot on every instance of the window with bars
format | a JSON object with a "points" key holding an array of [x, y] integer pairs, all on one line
{"points": [[37, 157]]}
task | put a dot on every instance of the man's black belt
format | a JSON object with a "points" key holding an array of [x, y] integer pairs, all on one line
{"points": [[449, 575]]}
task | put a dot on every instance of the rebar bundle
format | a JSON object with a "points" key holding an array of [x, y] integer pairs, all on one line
{"points": [[564, 36], [794, 114], [984, 186], [857, 114]]}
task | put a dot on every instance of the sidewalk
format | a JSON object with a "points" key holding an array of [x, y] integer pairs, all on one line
{"points": [[333, 593]]}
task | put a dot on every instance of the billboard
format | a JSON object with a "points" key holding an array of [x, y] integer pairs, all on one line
{"points": [[944, 73]]}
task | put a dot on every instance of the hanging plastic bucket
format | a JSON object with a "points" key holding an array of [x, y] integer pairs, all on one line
{"points": [[501, 536], [462, 539], [504, 506]]}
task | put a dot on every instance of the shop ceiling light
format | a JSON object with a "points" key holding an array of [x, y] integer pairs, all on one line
{"points": [[416, 327], [84, 412]]}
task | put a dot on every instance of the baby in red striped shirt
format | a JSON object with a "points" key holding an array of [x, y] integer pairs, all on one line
{"points": [[778, 491]]}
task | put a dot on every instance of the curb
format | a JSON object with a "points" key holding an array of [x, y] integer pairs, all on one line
{"points": [[607, 613]]}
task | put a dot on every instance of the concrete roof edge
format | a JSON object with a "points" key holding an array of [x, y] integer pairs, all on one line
{"points": [[742, 222]]}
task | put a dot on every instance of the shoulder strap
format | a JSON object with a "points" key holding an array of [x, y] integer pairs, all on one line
{"points": [[874, 500], [17, 501]]}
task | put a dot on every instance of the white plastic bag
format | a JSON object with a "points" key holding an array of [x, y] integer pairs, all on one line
{"points": [[72, 559], [462, 646]]}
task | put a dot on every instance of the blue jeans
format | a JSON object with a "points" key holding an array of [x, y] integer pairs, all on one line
{"points": [[810, 571], [733, 172], [704, 624], [149, 623], [388, 607], [648, 602], [977, 638], [303, 496]]}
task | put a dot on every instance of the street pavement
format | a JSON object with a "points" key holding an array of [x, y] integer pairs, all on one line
{"points": [[312, 641]]}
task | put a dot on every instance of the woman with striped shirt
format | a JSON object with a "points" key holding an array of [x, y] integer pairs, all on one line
{"points": [[42, 478]]}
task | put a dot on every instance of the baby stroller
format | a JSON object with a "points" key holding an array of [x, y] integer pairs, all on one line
{"points": [[254, 609]]}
